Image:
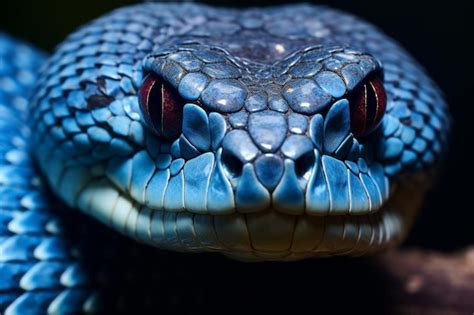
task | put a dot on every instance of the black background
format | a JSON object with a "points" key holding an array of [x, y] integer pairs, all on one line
{"points": [[437, 34]]}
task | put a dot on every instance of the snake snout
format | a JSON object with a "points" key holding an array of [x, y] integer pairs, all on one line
{"points": [[268, 168], [264, 178]]}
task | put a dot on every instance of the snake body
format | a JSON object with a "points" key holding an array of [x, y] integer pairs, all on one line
{"points": [[262, 159]]}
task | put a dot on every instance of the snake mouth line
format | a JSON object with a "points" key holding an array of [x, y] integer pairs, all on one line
{"points": [[355, 194], [265, 235]]}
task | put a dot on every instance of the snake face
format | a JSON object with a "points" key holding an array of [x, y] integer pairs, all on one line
{"points": [[243, 132]]}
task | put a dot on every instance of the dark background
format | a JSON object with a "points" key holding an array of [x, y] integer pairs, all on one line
{"points": [[437, 34]]}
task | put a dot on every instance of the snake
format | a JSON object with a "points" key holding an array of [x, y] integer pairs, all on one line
{"points": [[265, 134]]}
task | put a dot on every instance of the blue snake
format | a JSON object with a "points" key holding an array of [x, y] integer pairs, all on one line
{"points": [[276, 133]]}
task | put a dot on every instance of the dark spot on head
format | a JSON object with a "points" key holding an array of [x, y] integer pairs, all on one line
{"points": [[95, 94], [98, 101]]}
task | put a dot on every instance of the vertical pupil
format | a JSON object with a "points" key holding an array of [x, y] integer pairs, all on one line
{"points": [[380, 101], [162, 107], [367, 107]]}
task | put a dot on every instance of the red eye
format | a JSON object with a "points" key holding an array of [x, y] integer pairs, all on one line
{"points": [[368, 105], [162, 107]]}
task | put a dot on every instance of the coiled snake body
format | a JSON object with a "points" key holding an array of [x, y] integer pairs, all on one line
{"points": [[265, 134]]}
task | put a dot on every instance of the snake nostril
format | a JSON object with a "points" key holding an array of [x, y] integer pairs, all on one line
{"points": [[231, 164], [304, 164]]}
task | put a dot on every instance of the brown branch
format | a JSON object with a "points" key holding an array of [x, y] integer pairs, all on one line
{"points": [[427, 282]]}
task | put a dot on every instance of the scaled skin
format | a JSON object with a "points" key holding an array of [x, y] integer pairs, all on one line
{"points": [[266, 166], [264, 155]]}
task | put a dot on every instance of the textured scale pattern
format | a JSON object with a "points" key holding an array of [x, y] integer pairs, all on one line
{"points": [[49, 264], [265, 166]]}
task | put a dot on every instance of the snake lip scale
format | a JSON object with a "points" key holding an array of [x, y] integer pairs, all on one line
{"points": [[277, 133]]}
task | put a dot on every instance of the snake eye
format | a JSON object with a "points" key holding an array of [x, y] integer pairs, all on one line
{"points": [[368, 104], [161, 106]]}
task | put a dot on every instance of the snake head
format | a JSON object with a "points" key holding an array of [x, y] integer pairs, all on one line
{"points": [[283, 150]]}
